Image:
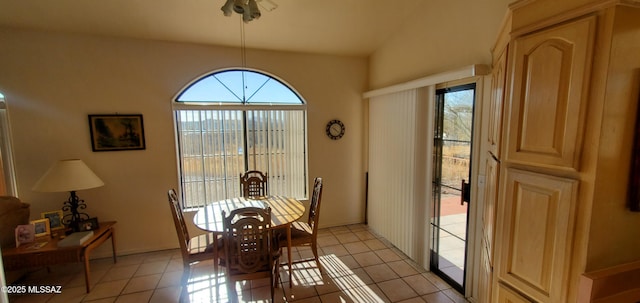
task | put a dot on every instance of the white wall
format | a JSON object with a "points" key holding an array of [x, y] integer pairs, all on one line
{"points": [[52, 81]]}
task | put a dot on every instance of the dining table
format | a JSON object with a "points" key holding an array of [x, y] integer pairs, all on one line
{"points": [[284, 211]]}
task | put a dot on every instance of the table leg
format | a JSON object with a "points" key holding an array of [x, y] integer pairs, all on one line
{"points": [[113, 245], [289, 253], [87, 250], [87, 271]]}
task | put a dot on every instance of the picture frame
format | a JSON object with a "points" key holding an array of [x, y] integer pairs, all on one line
{"points": [[89, 224], [41, 227], [116, 132], [25, 233], [55, 219]]}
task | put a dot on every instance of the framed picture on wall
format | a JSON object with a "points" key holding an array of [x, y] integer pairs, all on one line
{"points": [[116, 132]]}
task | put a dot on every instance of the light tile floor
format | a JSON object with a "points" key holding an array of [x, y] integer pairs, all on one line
{"points": [[357, 266]]}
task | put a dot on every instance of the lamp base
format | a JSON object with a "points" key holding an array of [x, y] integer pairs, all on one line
{"points": [[73, 219]]}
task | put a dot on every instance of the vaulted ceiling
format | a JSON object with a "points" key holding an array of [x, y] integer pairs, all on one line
{"points": [[344, 27]]}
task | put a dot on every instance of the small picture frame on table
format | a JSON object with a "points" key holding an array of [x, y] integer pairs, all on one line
{"points": [[55, 219], [89, 224], [41, 227], [25, 233]]}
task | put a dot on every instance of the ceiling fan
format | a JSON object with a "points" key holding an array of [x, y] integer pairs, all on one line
{"points": [[247, 8]]}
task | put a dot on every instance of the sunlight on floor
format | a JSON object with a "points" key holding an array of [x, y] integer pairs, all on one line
{"points": [[204, 287]]}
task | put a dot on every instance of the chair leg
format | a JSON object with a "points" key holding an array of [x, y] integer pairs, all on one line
{"points": [[290, 263], [231, 291], [272, 288], [314, 248], [184, 295], [216, 257], [276, 271], [186, 272]]}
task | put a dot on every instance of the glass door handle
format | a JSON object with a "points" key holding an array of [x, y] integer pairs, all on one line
{"points": [[465, 196]]}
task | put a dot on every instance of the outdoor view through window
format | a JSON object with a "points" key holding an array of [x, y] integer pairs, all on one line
{"points": [[232, 121]]}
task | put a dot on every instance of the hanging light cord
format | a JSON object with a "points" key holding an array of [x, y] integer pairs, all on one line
{"points": [[242, 44], [243, 54]]}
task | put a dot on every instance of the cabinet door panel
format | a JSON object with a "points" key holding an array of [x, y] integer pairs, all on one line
{"points": [[485, 276], [490, 198], [506, 295], [537, 232], [498, 78], [548, 97]]}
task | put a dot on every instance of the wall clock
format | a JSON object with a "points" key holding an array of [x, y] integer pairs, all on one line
{"points": [[335, 129]]}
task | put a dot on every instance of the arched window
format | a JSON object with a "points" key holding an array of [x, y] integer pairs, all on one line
{"points": [[231, 121]]}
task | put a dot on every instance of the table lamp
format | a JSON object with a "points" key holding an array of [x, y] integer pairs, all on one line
{"points": [[69, 175]]}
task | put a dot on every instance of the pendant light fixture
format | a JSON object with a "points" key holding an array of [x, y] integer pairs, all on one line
{"points": [[247, 8]]}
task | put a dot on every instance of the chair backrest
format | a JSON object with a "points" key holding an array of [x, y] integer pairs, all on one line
{"points": [[181, 226], [247, 239], [314, 206], [254, 183]]}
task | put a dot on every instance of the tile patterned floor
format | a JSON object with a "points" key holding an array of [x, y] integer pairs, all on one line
{"points": [[357, 266]]}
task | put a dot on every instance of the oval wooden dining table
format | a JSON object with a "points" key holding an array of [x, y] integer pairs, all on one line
{"points": [[284, 211]]}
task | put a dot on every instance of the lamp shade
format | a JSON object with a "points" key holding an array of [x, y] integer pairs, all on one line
{"points": [[68, 175]]}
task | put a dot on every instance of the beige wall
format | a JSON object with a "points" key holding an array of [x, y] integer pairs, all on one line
{"points": [[53, 81], [440, 37]]}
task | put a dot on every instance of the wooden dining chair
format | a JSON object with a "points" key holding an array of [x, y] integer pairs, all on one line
{"points": [[254, 183], [250, 252], [306, 233], [200, 248]]}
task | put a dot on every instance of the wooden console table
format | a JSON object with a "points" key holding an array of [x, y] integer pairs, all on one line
{"points": [[25, 256]]}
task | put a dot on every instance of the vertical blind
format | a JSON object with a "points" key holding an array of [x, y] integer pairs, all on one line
{"points": [[397, 206], [216, 146]]}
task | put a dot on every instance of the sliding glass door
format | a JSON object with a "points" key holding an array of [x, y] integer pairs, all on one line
{"points": [[451, 177]]}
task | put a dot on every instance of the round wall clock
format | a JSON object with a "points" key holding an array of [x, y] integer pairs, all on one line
{"points": [[335, 129]]}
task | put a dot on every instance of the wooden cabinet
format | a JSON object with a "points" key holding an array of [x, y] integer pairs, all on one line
{"points": [[568, 117], [490, 198], [565, 132], [493, 112], [485, 277], [536, 231], [498, 78], [506, 295], [550, 81]]}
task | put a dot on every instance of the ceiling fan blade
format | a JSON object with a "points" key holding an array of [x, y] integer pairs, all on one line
{"points": [[267, 5]]}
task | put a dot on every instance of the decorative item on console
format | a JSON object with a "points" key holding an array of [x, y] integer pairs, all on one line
{"points": [[69, 175]]}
